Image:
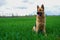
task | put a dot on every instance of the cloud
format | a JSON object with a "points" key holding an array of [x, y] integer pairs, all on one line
{"points": [[2, 2], [50, 3], [52, 7], [25, 1], [26, 7], [20, 8]]}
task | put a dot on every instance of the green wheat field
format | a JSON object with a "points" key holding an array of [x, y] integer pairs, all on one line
{"points": [[20, 28]]}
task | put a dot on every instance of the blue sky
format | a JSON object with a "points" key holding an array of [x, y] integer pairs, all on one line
{"points": [[26, 7]]}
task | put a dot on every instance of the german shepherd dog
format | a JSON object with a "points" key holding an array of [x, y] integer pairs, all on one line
{"points": [[40, 20]]}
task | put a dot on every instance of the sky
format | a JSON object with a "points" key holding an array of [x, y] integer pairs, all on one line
{"points": [[28, 7]]}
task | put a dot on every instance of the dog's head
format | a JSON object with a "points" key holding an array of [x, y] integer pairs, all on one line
{"points": [[40, 10]]}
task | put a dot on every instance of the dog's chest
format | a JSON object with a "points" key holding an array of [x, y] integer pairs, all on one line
{"points": [[39, 19]]}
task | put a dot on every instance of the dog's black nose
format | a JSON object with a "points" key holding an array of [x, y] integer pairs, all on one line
{"points": [[39, 13]]}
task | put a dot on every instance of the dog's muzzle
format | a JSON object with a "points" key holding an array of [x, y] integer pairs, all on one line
{"points": [[39, 13]]}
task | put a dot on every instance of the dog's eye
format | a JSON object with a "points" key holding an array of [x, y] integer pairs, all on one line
{"points": [[39, 10]]}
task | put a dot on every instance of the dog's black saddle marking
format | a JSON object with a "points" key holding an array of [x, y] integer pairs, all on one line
{"points": [[39, 13]]}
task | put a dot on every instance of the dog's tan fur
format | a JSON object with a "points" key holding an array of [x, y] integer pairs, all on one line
{"points": [[40, 20]]}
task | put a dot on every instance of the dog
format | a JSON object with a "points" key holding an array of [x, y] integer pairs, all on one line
{"points": [[40, 20]]}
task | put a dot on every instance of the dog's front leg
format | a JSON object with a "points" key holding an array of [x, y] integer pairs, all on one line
{"points": [[44, 31], [37, 29]]}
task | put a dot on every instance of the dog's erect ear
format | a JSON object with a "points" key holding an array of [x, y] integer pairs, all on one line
{"points": [[37, 6], [42, 6]]}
